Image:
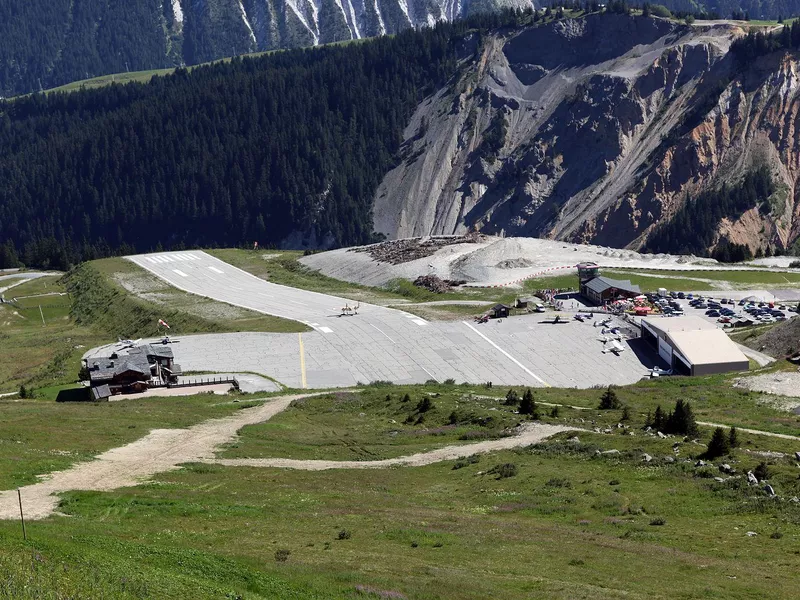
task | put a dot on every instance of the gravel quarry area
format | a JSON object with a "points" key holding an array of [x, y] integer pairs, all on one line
{"points": [[785, 383], [496, 261]]}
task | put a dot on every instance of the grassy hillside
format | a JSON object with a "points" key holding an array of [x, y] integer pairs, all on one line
{"points": [[102, 296], [49, 323], [565, 522]]}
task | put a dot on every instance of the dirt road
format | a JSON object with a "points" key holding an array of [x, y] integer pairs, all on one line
{"points": [[530, 434], [164, 449]]}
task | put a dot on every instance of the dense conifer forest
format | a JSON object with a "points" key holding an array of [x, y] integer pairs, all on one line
{"points": [[289, 144]]}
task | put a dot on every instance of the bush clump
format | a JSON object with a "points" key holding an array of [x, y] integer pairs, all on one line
{"points": [[503, 471], [465, 462]]}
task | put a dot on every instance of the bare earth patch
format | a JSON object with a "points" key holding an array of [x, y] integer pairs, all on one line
{"points": [[165, 449], [781, 386]]}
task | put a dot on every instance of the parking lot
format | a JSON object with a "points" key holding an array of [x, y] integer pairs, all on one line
{"points": [[728, 309], [381, 343]]}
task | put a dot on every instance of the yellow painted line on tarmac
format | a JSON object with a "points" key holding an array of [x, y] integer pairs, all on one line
{"points": [[302, 362]]}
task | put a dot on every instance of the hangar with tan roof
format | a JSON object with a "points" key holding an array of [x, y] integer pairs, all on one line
{"points": [[693, 346]]}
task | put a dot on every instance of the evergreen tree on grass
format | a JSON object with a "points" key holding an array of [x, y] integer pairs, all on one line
{"points": [[733, 438], [528, 406], [718, 446], [609, 400]]}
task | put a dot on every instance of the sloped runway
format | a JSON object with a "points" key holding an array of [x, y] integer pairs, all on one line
{"points": [[379, 343]]}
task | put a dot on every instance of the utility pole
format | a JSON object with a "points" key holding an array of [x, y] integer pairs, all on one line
{"points": [[21, 516]]}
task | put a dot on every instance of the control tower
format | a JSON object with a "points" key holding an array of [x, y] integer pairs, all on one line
{"points": [[587, 271]]}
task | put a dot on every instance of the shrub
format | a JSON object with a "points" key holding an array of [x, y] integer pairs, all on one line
{"points": [[424, 405], [554, 412], [776, 535], [505, 470], [658, 522], [512, 399], [614, 482], [762, 471], [718, 446], [626, 413], [282, 555], [558, 482], [795, 264], [344, 534], [575, 562], [449, 382], [406, 398], [609, 400], [465, 462]]}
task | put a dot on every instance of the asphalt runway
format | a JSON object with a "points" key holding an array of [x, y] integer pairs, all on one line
{"points": [[381, 343]]}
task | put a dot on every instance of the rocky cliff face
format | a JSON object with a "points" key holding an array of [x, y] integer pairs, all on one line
{"points": [[596, 130]]}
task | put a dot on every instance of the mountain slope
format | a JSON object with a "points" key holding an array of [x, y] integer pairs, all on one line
{"points": [[618, 130], [597, 130], [47, 43]]}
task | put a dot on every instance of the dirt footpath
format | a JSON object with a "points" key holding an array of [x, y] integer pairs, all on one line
{"points": [[164, 449], [529, 434], [159, 451]]}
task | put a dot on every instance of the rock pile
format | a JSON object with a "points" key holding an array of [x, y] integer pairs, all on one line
{"points": [[435, 284], [396, 252]]}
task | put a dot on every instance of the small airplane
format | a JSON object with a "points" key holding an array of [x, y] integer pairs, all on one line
{"points": [[126, 343], [603, 323], [658, 372], [616, 348], [557, 320], [349, 311]]}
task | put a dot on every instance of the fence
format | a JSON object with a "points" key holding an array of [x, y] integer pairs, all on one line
{"points": [[195, 381]]}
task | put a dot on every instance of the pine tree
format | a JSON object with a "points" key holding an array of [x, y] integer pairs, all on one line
{"points": [[718, 446], [658, 419], [733, 438], [626, 413], [681, 420], [512, 399], [609, 400], [528, 406]]}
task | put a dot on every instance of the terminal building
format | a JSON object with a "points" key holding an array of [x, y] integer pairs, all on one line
{"points": [[693, 346], [131, 370], [601, 290]]}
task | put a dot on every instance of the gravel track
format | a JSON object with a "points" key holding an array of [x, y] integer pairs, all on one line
{"points": [[529, 434]]}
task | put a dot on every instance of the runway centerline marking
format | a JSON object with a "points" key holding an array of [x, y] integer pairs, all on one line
{"points": [[302, 362], [179, 272], [384, 335], [511, 358]]}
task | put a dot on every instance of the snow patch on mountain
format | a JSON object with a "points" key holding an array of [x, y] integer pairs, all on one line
{"points": [[177, 11], [247, 22]]}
